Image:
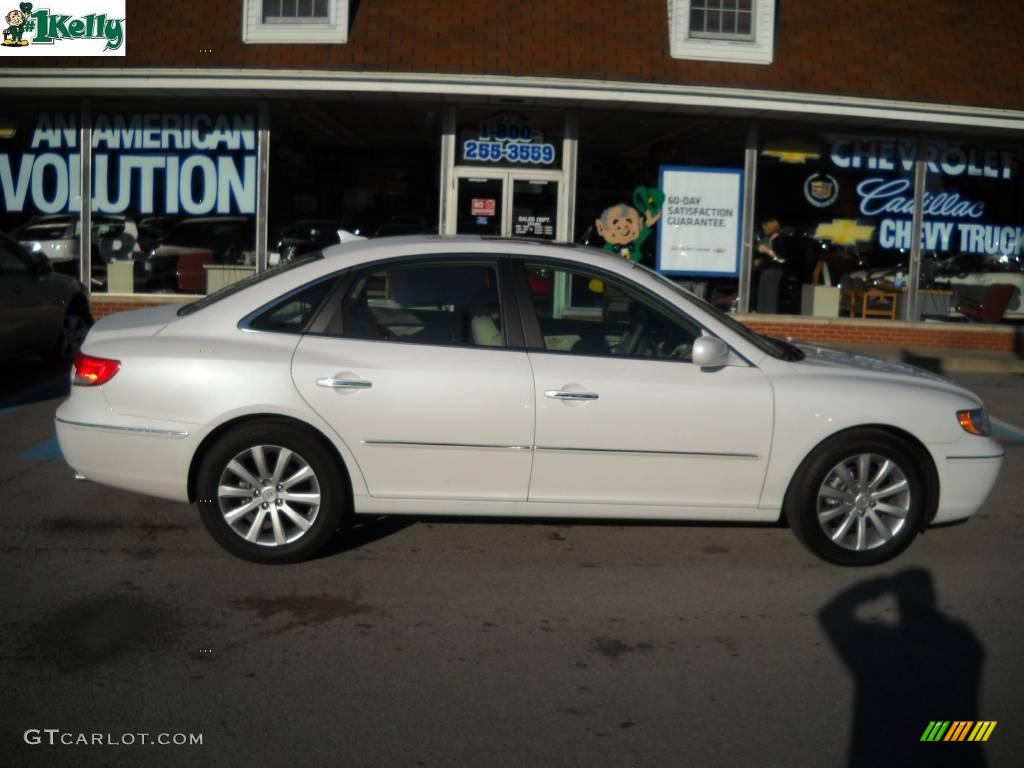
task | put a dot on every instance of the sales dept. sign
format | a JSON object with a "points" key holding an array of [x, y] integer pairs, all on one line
{"points": [[63, 28], [699, 232]]}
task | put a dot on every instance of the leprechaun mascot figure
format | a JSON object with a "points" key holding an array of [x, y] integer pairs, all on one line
{"points": [[19, 22], [625, 229]]}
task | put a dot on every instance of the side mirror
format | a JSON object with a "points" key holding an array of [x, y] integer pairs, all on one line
{"points": [[709, 352]]}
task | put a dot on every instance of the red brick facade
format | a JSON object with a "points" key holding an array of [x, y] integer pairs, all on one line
{"points": [[941, 51]]}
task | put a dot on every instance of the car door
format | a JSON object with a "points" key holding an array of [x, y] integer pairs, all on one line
{"points": [[623, 416], [423, 376]]}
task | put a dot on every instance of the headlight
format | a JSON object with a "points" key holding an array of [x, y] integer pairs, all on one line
{"points": [[975, 421]]}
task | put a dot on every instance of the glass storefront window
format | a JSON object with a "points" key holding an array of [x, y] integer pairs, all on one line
{"points": [[174, 198], [343, 169], [621, 152], [973, 240], [825, 203], [40, 191]]}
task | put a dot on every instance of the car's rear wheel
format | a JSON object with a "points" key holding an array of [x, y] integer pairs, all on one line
{"points": [[858, 499], [270, 492]]}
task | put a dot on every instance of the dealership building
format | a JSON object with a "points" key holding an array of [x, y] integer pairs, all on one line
{"points": [[851, 126]]}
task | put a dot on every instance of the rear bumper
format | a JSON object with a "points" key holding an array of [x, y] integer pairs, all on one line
{"points": [[152, 459]]}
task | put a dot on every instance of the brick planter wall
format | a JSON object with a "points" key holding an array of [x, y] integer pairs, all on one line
{"points": [[999, 338]]}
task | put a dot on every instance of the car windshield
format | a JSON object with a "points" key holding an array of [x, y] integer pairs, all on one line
{"points": [[777, 348], [246, 282]]}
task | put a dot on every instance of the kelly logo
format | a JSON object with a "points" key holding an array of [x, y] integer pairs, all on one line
{"points": [[958, 730], [77, 35]]}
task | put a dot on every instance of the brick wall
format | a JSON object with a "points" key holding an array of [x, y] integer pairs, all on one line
{"points": [[915, 50], [1001, 338]]}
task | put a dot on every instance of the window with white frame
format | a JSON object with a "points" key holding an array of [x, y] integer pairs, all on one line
{"points": [[295, 21], [740, 31]]}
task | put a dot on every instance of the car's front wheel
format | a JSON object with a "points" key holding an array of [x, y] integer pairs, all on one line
{"points": [[270, 492], [858, 499]]}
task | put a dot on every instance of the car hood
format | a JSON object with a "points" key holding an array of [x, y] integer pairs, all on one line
{"points": [[142, 322], [828, 361]]}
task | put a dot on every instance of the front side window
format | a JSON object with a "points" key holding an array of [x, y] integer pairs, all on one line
{"points": [[451, 304], [615, 322]]}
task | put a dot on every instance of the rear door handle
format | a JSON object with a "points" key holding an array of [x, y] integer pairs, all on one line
{"points": [[561, 394], [344, 383]]}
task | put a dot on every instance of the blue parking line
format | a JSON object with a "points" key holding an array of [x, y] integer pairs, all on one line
{"points": [[48, 449], [7, 411], [1007, 431]]}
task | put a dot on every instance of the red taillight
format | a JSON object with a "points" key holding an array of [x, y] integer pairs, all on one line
{"points": [[93, 371]]}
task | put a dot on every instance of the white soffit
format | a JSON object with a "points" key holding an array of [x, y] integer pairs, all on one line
{"points": [[565, 91]]}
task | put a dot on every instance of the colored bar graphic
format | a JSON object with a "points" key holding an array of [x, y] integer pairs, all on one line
{"points": [[959, 730], [982, 730], [935, 730]]}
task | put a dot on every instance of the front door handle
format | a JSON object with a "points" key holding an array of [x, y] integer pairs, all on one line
{"points": [[561, 394], [344, 383]]}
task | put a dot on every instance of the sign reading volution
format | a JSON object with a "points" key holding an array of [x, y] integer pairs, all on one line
{"points": [[700, 223], [150, 163]]}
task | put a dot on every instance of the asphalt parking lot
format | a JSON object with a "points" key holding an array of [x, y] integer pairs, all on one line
{"points": [[424, 642]]}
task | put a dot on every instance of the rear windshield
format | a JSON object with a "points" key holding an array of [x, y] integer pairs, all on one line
{"points": [[246, 282]]}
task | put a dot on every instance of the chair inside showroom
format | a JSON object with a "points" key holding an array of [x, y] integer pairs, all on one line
{"points": [[992, 306]]}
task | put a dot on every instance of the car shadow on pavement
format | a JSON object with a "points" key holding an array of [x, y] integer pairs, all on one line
{"points": [[365, 529], [34, 380], [909, 670]]}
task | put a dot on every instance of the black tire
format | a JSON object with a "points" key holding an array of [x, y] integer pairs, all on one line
{"points": [[817, 512], [75, 326], [279, 539]]}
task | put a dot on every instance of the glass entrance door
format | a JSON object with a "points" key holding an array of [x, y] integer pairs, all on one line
{"points": [[480, 205], [507, 204]]}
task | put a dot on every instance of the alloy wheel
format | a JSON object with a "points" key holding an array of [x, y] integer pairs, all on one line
{"points": [[269, 495], [863, 502]]}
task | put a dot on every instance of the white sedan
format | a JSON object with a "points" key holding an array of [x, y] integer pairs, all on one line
{"points": [[469, 376]]}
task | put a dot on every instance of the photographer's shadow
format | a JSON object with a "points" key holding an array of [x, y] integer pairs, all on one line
{"points": [[924, 667]]}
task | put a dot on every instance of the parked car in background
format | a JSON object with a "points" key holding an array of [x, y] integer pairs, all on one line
{"points": [[41, 312], [153, 230], [178, 262], [432, 375], [967, 275], [58, 237], [308, 235]]}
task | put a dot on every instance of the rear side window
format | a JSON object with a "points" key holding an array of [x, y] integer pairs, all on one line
{"points": [[293, 313], [451, 304]]}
